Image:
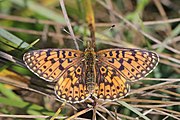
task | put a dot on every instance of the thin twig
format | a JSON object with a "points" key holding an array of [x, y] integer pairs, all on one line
{"points": [[37, 21], [34, 32], [68, 23], [29, 20], [151, 87], [163, 79], [101, 115], [165, 113], [79, 113], [28, 116]]}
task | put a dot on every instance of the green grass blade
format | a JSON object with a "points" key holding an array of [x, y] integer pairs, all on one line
{"points": [[133, 109], [7, 35], [9, 93], [50, 14]]}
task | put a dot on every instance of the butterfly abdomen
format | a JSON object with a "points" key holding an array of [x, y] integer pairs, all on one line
{"points": [[90, 78]]}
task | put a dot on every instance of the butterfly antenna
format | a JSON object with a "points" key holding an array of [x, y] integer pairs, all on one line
{"points": [[113, 26], [108, 29], [70, 34]]}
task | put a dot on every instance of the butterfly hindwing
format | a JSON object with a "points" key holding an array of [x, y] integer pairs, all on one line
{"points": [[132, 64], [49, 64], [71, 86], [110, 84]]}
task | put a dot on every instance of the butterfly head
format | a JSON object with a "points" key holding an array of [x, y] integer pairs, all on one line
{"points": [[89, 46]]}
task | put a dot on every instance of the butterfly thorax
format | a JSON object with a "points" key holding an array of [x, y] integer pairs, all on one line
{"points": [[90, 76]]}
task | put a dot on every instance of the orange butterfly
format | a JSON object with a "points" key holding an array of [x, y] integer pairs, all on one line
{"points": [[79, 75]]}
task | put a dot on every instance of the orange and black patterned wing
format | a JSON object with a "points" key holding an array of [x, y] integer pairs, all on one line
{"points": [[50, 64], [110, 84], [71, 86], [131, 64]]}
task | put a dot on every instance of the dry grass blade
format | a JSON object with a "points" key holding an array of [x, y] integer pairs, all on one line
{"points": [[161, 21], [169, 92], [133, 109], [79, 113], [165, 113], [94, 113], [101, 115], [111, 113], [33, 32], [150, 101], [28, 116], [29, 20], [155, 106], [147, 112], [68, 23], [10, 58], [156, 86], [58, 111], [115, 111], [176, 113], [163, 79], [105, 110]]}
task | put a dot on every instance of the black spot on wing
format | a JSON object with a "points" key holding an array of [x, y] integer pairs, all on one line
{"points": [[52, 60], [69, 60], [111, 60], [110, 53], [63, 53], [61, 67], [117, 53], [133, 52], [105, 55], [136, 59], [123, 54], [50, 70], [48, 53], [57, 54], [75, 55], [46, 59], [129, 61], [121, 67], [70, 53], [132, 70], [121, 60], [61, 61], [138, 67]]}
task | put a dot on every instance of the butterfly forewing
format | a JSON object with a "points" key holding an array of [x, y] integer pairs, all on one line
{"points": [[132, 64], [50, 64]]}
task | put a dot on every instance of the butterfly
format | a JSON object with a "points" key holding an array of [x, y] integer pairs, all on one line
{"points": [[79, 75]]}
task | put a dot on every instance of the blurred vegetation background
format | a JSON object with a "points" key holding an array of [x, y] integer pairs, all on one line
{"points": [[34, 24]]}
